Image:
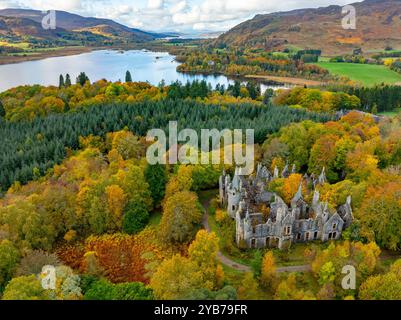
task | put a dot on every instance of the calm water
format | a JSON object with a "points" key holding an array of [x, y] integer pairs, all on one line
{"points": [[108, 64]]}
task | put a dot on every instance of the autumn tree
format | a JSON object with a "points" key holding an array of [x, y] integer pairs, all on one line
{"points": [[291, 186], [384, 286], [288, 290], [25, 288], [268, 272], [328, 263], [182, 181], [299, 138], [323, 154], [132, 181], [181, 216], [91, 264], [176, 278], [9, 257], [380, 215], [121, 255], [225, 293], [203, 251], [34, 261], [116, 202], [274, 148], [127, 145], [28, 224], [248, 289], [99, 218]]}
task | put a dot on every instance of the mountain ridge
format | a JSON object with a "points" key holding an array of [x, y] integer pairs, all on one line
{"points": [[378, 26], [74, 23]]}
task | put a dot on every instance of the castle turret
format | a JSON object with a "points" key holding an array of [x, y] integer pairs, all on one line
{"points": [[322, 177], [326, 213], [316, 197], [234, 194], [345, 212], [222, 188], [298, 196], [285, 173], [275, 173]]}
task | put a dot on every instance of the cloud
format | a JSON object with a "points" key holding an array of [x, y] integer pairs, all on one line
{"points": [[178, 7], [155, 4], [69, 5], [184, 15]]}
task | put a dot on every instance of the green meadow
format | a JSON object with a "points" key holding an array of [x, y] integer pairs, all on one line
{"points": [[367, 74], [391, 114]]}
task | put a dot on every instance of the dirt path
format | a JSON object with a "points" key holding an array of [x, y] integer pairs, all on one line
{"points": [[223, 259]]}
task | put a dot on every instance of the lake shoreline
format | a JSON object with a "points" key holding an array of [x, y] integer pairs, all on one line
{"points": [[146, 65], [71, 51], [75, 50], [68, 51]]}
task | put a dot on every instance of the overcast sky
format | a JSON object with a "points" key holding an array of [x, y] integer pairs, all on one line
{"points": [[172, 15]]}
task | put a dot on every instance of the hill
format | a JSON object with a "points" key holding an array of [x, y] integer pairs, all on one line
{"points": [[24, 22], [16, 27], [378, 26]]}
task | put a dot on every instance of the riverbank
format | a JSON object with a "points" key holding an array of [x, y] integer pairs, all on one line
{"points": [[287, 80], [70, 51]]}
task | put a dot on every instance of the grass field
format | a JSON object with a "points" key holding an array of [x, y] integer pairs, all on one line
{"points": [[390, 114], [367, 74]]}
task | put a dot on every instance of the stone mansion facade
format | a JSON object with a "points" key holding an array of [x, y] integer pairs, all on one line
{"points": [[300, 222]]}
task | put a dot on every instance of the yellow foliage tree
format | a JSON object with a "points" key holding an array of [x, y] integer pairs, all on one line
{"points": [[176, 278], [268, 273], [116, 201], [203, 251]]}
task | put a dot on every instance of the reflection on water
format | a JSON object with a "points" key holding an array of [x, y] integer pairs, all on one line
{"points": [[108, 64]]}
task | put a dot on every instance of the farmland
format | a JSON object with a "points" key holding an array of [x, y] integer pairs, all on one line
{"points": [[366, 74]]}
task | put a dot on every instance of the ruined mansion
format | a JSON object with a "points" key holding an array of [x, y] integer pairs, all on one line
{"points": [[244, 196]]}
